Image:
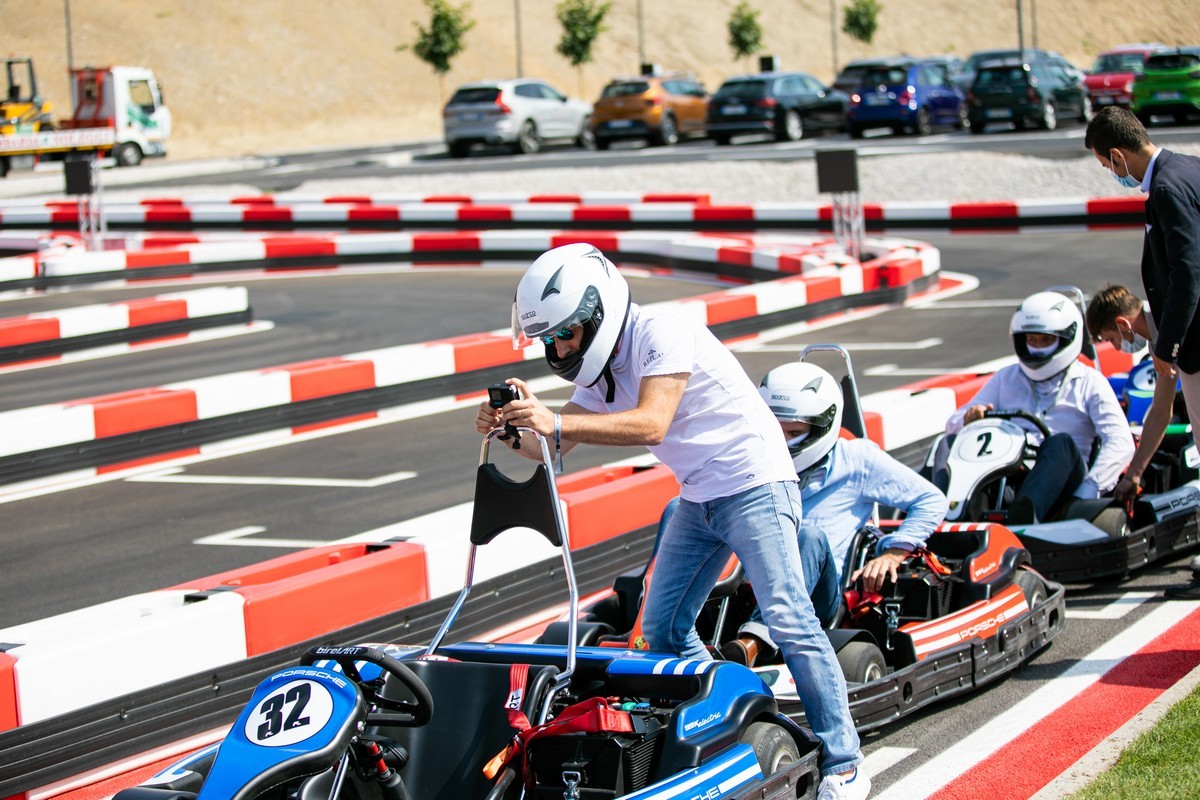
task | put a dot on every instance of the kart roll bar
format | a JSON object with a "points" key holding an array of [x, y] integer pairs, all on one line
{"points": [[501, 504], [852, 414]]}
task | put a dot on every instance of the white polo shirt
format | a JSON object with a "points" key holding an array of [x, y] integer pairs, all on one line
{"points": [[723, 439]]}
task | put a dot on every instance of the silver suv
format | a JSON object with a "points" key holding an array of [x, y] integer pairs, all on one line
{"points": [[522, 113]]}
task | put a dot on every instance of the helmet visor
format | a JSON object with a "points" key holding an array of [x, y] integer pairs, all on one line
{"points": [[589, 310]]}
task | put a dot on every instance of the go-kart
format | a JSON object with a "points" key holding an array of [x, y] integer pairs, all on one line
{"points": [[964, 611], [1082, 540], [482, 721]]}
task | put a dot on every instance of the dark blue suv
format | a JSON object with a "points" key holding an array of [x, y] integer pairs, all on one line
{"points": [[906, 95]]}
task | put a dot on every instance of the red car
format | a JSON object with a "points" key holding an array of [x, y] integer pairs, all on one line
{"points": [[1110, 81]]}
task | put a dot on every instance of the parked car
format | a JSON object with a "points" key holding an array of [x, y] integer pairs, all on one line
{"points": [[523, 113], [1025, 94], [905, 95], [659, 108], [786, 105], [1111, 80], [1169, 85], [851, 75], [1030, 54]]}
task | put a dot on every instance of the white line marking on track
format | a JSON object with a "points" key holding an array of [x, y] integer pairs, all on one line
{"points": [[172, 476], [1002, 729], [1115, 610], [885, 758], [984, 367], [946, 305], [237, 537]]}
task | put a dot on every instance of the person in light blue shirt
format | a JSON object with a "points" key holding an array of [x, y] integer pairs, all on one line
{"points": [[841, 481]]}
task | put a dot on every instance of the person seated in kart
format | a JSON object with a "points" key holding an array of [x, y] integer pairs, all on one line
{"points": [[1074, 400], [1119, 317], [841, 480], [1115, 315]]}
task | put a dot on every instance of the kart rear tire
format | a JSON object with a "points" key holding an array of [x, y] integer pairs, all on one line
{"points": [[861, 662], [1031, 586], [1113, 521], [773, 746]]}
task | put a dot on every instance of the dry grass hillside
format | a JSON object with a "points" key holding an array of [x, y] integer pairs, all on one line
{"points": [[253, 76]]}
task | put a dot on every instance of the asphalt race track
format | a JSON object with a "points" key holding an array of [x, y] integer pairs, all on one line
{"points": [[71, 549]]}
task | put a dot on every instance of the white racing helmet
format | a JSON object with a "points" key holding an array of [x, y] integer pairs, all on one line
{"points": [[1053, 313], [803, 392], [573, 285]]}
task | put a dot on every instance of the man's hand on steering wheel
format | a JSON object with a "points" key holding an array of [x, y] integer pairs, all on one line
{"points": [[880, 569]]}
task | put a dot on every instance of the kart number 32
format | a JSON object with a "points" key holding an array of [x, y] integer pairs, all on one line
{"points": [[290, 714]]}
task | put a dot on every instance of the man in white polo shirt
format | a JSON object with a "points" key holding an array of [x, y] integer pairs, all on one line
{"points": [[666, 383]]}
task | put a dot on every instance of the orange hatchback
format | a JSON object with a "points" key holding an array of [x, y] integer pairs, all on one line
{"points": [[659, 108]]}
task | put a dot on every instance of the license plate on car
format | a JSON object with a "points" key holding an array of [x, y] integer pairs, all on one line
{"points": [[878, 99], [999, 113], [739, 109], [1166, 95], [1105, 100], [620, 123], [473, 116]]}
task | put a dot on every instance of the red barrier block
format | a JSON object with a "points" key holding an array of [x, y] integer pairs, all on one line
{"points": [[480, 350], [149, 310], [607, 242], [23, 330], [983, 210], [175, 214], [901, 272], [140, 259], [671, 197], [464, 199], [485, 214], [728, 307], [742, 255], [298, 246], [1104, 206], [328, 376], [571, 199], [9, 718], [267, 214], [444, 241], [140, 410], [609, 502], [722, 213], [253, 200], [604, 213], [823, 288], [307, 594], [369, 213], [350, 199]]}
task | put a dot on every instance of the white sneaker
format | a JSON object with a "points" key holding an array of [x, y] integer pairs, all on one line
{"points": [[855, 786]]}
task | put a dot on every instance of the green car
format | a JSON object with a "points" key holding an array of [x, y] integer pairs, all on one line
{"points": [[1169, 86]]}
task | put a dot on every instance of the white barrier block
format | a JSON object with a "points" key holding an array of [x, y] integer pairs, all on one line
{"points": [[145, 640], [764, 212], [219, 214], [493, 241], [217, 252], [213, 301], [18, 268], [663, 212], [83, 263], [238, 391], [410, 362], [372, 243], [777, 295], [543, 212], [920, 209], [1051, 207], [335, 215], [908, 417], [26, 429], [83, 320], [429, 212], [852, 279]]}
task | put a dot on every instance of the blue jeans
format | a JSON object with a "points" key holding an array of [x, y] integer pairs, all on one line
{"points": [[759, 527], [820, 573]]}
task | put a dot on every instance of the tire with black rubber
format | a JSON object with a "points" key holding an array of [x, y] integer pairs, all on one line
{"points": [[924, 124], [127, 154], [527, 140], [773, 746], [1031, 586], [790, 127], [668, 133], [861, 662], [1049, 118]]}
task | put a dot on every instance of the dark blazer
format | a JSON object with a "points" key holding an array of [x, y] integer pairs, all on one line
{"points": [[1171, 258]]}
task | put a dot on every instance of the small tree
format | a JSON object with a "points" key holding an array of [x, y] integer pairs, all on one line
{"points": [[862, 18], [582, 23], [745, 34], [443, 39]]}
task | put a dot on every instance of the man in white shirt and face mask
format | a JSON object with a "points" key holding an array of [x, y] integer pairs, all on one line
{"points": [[1074, 400]]}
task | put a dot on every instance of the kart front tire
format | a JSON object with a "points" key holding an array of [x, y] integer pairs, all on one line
{"points": [[1031, 586], [861, 662], [773, 746], [1113, 521]]}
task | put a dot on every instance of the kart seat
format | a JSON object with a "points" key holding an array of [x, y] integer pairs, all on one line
{"points": [[990, 553], [469, 725]]}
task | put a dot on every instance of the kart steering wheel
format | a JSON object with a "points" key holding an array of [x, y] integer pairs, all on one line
{"points": [[1032, 419], [406, 714]]}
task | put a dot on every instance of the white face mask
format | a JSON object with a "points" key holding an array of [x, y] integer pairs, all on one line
{"points": [[1038, 352], [1133, 345]]}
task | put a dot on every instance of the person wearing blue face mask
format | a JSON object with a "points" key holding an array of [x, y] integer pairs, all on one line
{"points": [[1074, 400], [1171, 248]]}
